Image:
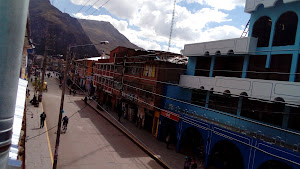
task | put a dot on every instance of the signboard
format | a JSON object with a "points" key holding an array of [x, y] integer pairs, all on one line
{"points": [[170, 115]]}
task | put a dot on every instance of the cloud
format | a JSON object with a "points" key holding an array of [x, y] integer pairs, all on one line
{"points": [[220, 4], [153, 20]]}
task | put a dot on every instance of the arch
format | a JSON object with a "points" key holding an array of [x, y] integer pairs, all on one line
{"points": [[285, 29], [202, 88], [212, 89], [259, 7], [230, 52], [206, 53], [192, 143], [227, 155], [262, 30], [226, 92], [279, 99], [244, 94], [274, 164], [218, 52]]}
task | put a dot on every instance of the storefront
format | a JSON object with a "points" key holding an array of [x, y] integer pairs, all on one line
{"points": [[168, 125]]}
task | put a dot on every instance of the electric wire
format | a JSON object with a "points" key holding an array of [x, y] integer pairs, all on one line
{"points": [[106, 111], [217, 133], [92, 5], [217, 111], [83, 6], [185, 87]]}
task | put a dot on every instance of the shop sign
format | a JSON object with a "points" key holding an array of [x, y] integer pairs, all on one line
{"points": [[170, 115]]}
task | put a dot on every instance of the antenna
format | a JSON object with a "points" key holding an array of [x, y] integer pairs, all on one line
{"points": [[172, 23]]}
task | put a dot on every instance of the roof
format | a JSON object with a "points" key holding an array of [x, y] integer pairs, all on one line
{"points": [[93, 58]]}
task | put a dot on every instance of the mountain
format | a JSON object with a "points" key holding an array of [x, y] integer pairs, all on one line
{"points": [[104, 31], [63, 30]]}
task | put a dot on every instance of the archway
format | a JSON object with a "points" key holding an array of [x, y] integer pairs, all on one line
{"points": [[225, 155], [285, 30], [192, 143], [261, 30], [274, 164]]}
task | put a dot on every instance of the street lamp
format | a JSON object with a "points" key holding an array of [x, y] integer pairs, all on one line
{"points": [[63, 96]]}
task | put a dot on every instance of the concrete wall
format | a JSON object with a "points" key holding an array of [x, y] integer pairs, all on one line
{"points": [[238, 45], [257, 88], [251, 5]]}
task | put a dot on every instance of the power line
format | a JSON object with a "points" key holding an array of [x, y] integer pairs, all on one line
{"points": [[83, 6], [221, 93], [219, 112], [100, 7], [206, 128], [92, 5]]}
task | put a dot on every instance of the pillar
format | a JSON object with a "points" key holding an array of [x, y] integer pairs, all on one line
{"points": [[13, 25]]}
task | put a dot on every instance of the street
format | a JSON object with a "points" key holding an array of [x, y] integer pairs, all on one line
{"points": [[90, 141]]}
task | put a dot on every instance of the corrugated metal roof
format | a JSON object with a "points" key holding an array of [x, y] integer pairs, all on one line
{"points": [[18, 118]]}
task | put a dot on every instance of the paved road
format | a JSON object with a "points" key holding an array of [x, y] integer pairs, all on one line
{"points": [[90, 142]]}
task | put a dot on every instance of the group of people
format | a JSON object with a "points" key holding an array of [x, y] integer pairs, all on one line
{"points": [[189, 163]]}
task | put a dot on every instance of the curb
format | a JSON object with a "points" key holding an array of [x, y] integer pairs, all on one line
{"points": [[153, 156]]}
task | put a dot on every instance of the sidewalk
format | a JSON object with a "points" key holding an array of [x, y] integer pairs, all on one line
{"points": [[36, 149], [169, 156]]}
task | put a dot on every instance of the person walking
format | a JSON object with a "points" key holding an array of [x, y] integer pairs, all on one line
{"points": [[187, 163], [43, 117], [168, 140], [119, 109]]}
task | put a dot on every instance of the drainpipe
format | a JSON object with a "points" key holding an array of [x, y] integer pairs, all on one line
{"points": [[12, 23]]}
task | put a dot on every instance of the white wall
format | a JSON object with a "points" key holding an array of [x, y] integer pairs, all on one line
{"points": [[251, 5], [238, 45], [256, 88]]}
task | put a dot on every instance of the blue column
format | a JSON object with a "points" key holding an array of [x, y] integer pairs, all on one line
{"points": [[285, 119], [239, 110], [268, 61], [294, 66], [191, 66], [212, 65], [207, 99], [245, 66]]}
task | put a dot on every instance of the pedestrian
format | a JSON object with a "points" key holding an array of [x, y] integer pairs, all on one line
{"points": [[43, 117], [168, 140], [187, 163], [119, 109], [193, 164]]}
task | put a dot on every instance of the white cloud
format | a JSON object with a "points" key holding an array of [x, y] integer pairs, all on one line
{"points": [[153, 20], [220, 4]]}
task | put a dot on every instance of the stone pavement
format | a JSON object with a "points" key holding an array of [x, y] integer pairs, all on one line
{"points": [[37, 154], [170, 157]]}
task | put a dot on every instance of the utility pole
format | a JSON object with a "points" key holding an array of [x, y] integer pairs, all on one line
{"points": [[123, 72], [61, 109], [44, 65]]}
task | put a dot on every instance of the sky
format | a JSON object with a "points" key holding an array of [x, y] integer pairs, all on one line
{"points": [[147, 23]]}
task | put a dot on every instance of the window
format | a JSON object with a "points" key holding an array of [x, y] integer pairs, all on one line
{"points": [[285, 30], [224, 103], [224, 65], [149, 71], [262, 30], [294, 118], [199, 97], [203, 66]]}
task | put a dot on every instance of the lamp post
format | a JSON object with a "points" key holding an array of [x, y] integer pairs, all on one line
{"points": [[63, 97]]}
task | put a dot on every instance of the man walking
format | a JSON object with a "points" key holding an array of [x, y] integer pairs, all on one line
{"points": [[43, 117], [119, 111]]}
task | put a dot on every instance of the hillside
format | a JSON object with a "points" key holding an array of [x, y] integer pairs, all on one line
{"points": [[104, 31], [63, 29]]}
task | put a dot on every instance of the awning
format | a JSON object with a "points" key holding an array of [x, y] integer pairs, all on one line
{"points": [[18, 118]]}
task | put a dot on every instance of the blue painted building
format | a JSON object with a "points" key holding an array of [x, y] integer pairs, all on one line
{"points": [[237, 107]]}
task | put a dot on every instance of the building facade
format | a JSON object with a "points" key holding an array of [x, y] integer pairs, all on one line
{"points": [[238, 104]]}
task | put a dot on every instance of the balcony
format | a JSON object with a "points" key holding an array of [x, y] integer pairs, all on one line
{"points": [[251, 5], [255, 88], [222, 47]]}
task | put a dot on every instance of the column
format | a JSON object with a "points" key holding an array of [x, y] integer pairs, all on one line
{"points": [[245, 66], [212, 65], [12, 32], [294, 66]]}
